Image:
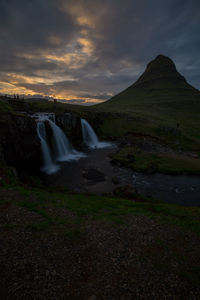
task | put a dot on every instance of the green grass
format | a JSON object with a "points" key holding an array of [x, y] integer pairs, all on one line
{"points": [[164, 255], [141, 161], [5, 106], [7, 175], [122, 125], [92, 207], [58, 107], [117, 126]]}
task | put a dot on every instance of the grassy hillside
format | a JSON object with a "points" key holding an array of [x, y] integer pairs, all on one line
{"points": [[4, 106], [55, 107], [161, 95]]}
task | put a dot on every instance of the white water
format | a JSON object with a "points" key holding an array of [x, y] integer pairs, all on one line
{"points": [[62, 147], [49, 166], [90, 138], [63, 150]]}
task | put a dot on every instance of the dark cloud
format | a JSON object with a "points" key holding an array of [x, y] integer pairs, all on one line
{"points": [[93, 49], [28, 23]]}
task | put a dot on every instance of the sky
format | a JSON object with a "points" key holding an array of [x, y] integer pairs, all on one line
{"points": [[86, 51]]}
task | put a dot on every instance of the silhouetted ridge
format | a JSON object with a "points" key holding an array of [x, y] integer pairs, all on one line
{"points": [[159, 62], [158, 87], [161, 69]]}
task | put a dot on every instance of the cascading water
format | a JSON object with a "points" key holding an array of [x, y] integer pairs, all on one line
{"points": [[90, 138], [49, 166], [63, 148]]}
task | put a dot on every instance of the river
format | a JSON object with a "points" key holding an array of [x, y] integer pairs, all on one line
{"points": [[96, 174]]}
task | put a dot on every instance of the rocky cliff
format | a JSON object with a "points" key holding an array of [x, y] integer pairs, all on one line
{"points": [[19, 142], [20, 146], [70, 123]]}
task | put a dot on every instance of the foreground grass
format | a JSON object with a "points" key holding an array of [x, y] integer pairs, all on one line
{"points": [[61, 219], [92, 207], [166, 163], [5, 107]]}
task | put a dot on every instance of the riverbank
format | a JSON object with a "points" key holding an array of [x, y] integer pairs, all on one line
{"points": [[96, 174]]}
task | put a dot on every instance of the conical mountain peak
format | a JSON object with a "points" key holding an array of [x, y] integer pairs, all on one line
{"points": [[160, 83], [161, 61], [161, 70]]}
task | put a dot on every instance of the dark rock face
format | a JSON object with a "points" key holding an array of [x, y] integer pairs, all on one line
{"points": [[126, 191], [19, 142], [70, 123], [93, 175]]}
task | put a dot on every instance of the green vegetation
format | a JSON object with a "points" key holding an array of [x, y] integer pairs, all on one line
{"points": [[150, 117], [118, 125], [76, 209], [162, 97], [4, 106], [55, 107], [157, 162], [7, 175]]}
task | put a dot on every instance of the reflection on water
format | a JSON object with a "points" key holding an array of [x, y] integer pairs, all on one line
{"points": [[173, 189]]}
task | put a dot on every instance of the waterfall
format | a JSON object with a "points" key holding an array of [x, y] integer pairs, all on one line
{"points": [[90, 138], [63, 150], [49, 166], [62, 147]]}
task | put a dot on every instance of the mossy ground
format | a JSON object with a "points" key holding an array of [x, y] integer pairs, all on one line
{"points": [[5, 107], [166, 163]]}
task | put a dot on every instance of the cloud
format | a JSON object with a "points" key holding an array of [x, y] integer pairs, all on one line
{"points": [[86, 49]]}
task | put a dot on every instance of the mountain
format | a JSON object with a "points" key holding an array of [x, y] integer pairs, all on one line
{"points": [[160, 90], [161, 74]]}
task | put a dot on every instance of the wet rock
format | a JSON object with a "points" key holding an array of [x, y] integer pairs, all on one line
{"points": [[126, 191], [70, 123], [93, 297], [93, 175], [115, 180], [170, 130], [194, 155], [131, 157]]}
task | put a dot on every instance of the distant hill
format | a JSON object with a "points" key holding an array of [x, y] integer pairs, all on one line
{"points": [[34, 99]]}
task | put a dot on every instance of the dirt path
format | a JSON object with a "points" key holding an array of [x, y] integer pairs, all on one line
{"points": [[95, 260]]}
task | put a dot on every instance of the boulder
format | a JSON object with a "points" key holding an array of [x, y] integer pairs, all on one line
{"points": [[126, 191]]}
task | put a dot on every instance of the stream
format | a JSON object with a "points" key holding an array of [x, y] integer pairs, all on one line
{"points": [[95, 173]]}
